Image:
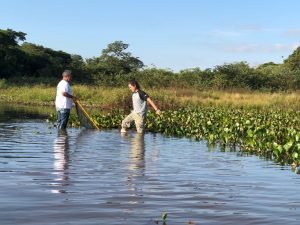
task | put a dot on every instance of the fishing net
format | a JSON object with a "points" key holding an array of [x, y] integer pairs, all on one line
{"points": [[85, 120]]}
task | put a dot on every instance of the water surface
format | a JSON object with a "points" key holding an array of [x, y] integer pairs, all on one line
{"points": [[87, 177]]}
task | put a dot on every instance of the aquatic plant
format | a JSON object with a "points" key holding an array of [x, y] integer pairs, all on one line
{"points": [[274, 134]]}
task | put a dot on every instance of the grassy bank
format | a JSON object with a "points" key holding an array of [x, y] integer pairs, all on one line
{"points": [[169, 98]]}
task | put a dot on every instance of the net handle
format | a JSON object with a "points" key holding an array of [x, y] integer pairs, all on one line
{"points": [[86, 114]]}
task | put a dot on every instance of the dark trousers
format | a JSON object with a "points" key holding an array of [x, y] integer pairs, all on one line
{"points": [[62, 118]]}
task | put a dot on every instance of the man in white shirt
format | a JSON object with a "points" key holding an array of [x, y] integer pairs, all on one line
{"points": [[64, 100]]}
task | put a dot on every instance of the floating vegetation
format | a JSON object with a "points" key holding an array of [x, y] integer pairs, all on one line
{"points": [[274, 134]]}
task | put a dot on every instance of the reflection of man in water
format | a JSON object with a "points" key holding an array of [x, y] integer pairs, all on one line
{"points": [[61, 160]]}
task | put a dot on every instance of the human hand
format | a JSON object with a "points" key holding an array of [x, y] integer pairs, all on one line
{"points": [[158, 112]]}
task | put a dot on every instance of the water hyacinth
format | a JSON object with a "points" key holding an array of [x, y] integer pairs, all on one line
{"points": [[274, 134]]}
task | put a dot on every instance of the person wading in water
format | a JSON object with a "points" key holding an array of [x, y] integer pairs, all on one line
{"points": [[138, 114], [63, 101]]}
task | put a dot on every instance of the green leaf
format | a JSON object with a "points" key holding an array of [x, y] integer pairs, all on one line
{"points": [[288, 145], [249, 133], [295, 155]]}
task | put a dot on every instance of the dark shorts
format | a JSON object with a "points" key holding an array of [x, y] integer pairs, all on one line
{"points": [[62, 118]]}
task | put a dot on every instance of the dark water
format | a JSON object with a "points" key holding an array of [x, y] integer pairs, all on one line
{"points": [[89, 177]]}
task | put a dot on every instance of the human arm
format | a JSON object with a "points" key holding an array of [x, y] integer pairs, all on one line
{"points": [[67, 95], [153, 106]]}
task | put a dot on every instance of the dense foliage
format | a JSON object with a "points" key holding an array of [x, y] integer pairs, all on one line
{"points": [[22, 62]]}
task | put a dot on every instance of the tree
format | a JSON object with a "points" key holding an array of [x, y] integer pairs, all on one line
{"points": [[293, 61], [11, 57], [45, 62], [232, 75], [10, 38], [79, 69], [267, 65], [115, 60], [276, 76]]}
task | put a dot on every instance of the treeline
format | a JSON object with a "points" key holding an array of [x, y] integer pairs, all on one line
{"points": [[27, 63]]}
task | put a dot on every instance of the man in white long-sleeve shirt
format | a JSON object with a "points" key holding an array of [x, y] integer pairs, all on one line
{"points": [[64, 100]]}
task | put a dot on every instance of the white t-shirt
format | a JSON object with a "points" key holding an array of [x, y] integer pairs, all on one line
{"points": [[62, 102]]}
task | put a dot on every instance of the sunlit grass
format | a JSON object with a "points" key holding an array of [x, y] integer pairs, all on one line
{"points": [[237, 98], [169, 98]]}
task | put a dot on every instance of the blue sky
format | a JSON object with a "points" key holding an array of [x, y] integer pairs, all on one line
{"points": [[166, 33]]}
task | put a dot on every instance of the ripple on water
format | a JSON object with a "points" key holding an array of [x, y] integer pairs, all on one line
{"points": [[91, 177]]}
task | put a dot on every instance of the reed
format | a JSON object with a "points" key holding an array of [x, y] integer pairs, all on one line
{"points": [[168, 98]]}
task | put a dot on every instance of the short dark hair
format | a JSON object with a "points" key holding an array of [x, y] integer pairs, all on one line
{"points": [[134, 83]]}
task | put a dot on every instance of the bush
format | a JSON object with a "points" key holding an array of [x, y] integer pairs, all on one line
{"points": [[3, 83]]}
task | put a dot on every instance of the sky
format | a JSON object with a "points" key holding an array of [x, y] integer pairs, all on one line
{"points": [[169, 34]]}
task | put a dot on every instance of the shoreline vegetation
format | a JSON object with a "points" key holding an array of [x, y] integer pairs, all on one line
{"points": [[108, 98]]}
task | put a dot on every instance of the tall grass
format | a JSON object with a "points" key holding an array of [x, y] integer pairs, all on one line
{"points": [[235, 98], [168, 98]]}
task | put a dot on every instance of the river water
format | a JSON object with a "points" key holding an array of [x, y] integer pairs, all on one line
{"points": [[86, 177]]}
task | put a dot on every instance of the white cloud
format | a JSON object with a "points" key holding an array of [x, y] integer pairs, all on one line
{"points": [[251, 27], [239, 48], [237, 31], [252, 48], [292, 32], [224, 33]]}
